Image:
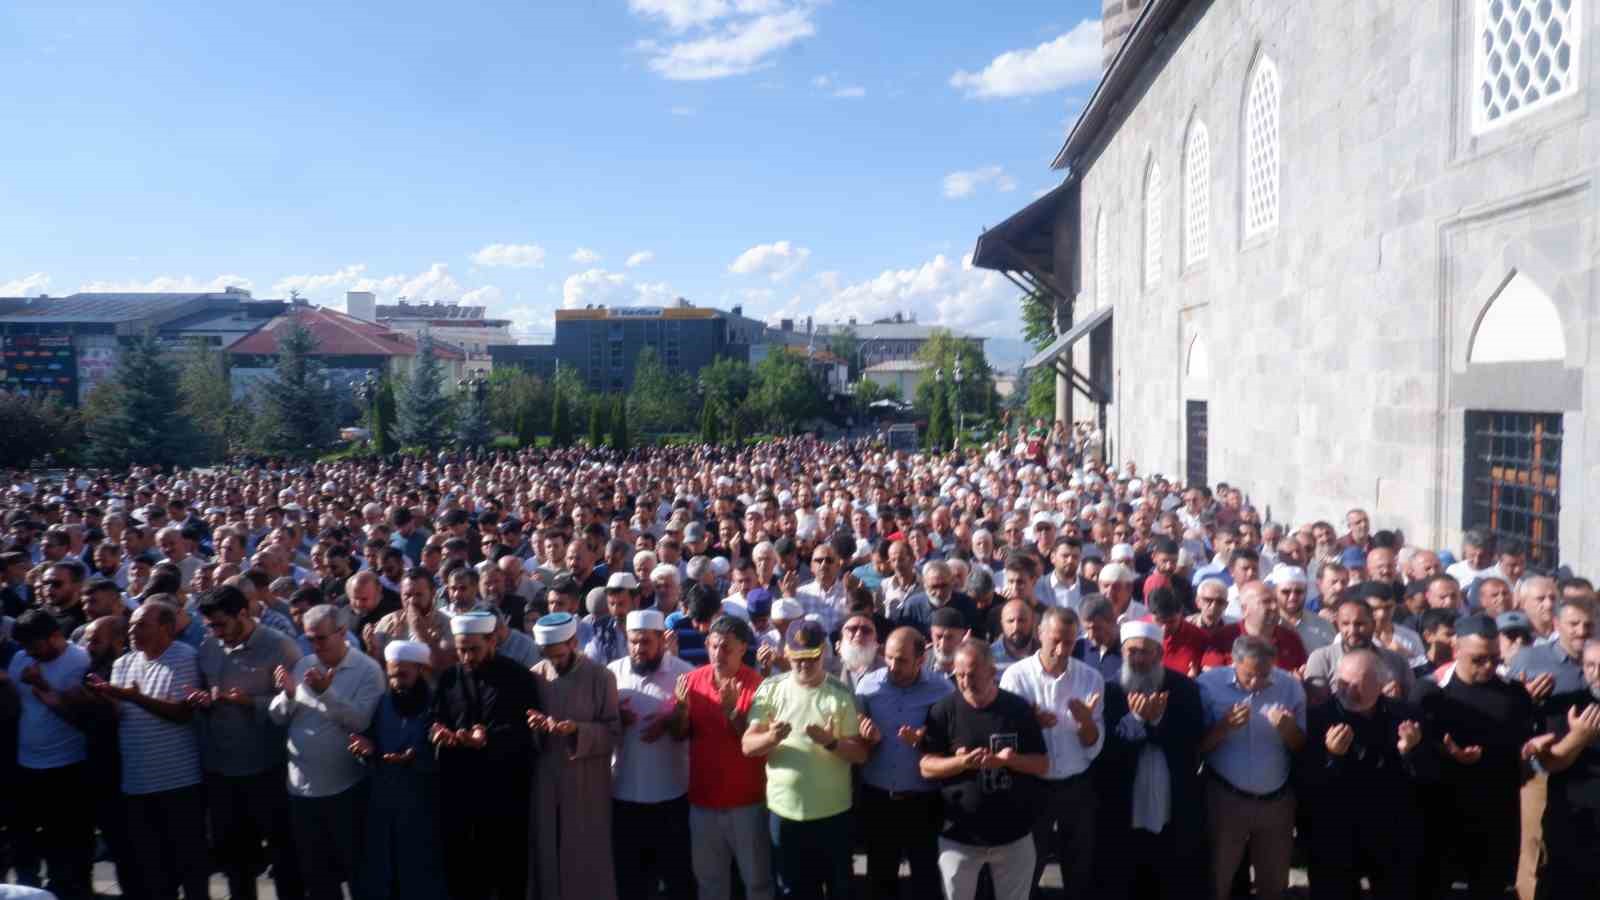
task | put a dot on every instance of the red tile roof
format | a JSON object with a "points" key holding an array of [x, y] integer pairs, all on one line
{"points": [[337, 334]]}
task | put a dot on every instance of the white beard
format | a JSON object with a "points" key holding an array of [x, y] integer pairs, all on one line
{"points": [[857, 657]]}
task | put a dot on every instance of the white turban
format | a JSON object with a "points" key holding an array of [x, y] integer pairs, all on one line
{"points": [[555, 629], [476, 622], [1150, 631], [1282, 575], [407, 651]]}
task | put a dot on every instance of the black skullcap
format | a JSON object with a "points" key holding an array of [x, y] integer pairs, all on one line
{"points": [[1476, 625], [948, 617]]}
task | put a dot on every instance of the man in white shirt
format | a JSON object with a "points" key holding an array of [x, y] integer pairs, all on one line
{"points": [[650, 771], [1065, 695]]}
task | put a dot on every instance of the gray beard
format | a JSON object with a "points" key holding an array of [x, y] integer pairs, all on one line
{"points": [[1594, 690], [944, 661], [856, 657], [1150, 682]]}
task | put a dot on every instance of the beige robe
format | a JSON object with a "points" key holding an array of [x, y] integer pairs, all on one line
{"points": [[572, 785]]}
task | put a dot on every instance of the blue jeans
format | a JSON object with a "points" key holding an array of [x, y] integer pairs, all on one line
{"points": [[811, 856]]}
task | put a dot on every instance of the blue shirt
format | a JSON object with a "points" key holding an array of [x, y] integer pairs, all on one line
{"points": [[45, 740], [1107, 661], [892, 765], [1548, 659], [1253, 758]]}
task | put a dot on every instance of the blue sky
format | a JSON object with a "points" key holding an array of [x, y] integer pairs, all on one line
{"points": [[801, 158]]}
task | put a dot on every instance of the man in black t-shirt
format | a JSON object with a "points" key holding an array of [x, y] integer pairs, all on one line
{"points": [[984, 747]]}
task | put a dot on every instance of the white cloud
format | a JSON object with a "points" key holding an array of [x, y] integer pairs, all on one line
{"points": [[488, 295], [779, 259], [168, 284], [598, 286], [731, 42], [583, 256], [640, 258], [940, 291], [830, 83], [680, 15], [1071, 58], [966, 183], [313, 286], [27, 286], [514, 256]]}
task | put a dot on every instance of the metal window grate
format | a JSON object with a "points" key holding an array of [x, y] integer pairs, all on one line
{"points": [[1513, 480]]}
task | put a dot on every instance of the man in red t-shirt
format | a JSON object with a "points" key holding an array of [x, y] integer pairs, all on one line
{"points": [[727, 790], [1261, 619], [1183, 645]]}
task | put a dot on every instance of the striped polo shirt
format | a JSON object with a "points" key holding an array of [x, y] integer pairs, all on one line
{"points": [[157, 755]]}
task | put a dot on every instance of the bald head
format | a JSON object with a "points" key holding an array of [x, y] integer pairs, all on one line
{"points": [[1358, 680]]}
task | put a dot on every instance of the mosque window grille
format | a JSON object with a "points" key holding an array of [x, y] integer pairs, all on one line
{"points": [[1261, 151], [1513, 480], [1197, 195], [1152, 226], [1525, 55]]}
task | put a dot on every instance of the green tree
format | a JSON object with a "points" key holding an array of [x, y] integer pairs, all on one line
{"points": [[598, 410], [846, 345], [296, 402], [36, 428], [1040, 400], [941, 352], [380, 418], [205, 386], [710, 430], [939, 428], [869, 392], [473, 428], [1039, 316], [559, 424], [422, 410], [140, 418], [660, 401], [519, 403], [619, 426], [783, 394]]}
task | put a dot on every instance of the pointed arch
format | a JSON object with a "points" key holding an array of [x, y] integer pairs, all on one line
{"points": [[1197, 362], [1196, 193], [1519, 323], [1260, 148], [1152, 223]]}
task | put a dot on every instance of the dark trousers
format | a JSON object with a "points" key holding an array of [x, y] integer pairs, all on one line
{"points": [[111, 815], [1386, 849], [167, 839], [1140, 865], [811, 857], [327, 831], [486, 838], [247, 811], [54, 817], [1066, 826], [650, 843], [1482, 843], [901, 825]]}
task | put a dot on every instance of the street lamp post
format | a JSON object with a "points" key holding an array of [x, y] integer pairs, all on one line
{"points": [[960, 411], [478, 386]]}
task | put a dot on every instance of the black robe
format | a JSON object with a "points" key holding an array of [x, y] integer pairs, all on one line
{"points": [[484, 792]]}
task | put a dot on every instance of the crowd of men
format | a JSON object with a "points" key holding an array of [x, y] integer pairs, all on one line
{"points": [[695, 672]]}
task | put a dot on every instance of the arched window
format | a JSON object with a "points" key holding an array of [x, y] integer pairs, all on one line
{"points": [[1525, 54], [1152, 225], [1102, 262], [1261, 150], [1196, 194]]}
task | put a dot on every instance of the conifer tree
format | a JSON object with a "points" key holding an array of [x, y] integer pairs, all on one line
{"points": [[422, 411]]}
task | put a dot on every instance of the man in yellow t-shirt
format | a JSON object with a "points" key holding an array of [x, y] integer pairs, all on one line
{"points": [[806, 726]]}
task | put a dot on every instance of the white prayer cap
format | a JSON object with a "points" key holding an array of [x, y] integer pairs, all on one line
{"points": [[787, 609], [1282, 575], [555, 628], [1116, 572], [476, 622], [408, 651], [1122, 553], [719, 565], [1150, 631], [622, 581], [735, 609], [646, 620]]}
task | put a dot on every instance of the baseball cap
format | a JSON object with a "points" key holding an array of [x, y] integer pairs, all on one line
{"points": [[694, 531], [806, 640]]}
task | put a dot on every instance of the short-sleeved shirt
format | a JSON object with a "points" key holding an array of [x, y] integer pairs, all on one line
{"points": [[157, 755], [720, 775], [44, 739], [1183, 650], [238, 740], [893, 765], [805, 781], [987, 807], [657, 771], [1548, 659], [1291, 651]]}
